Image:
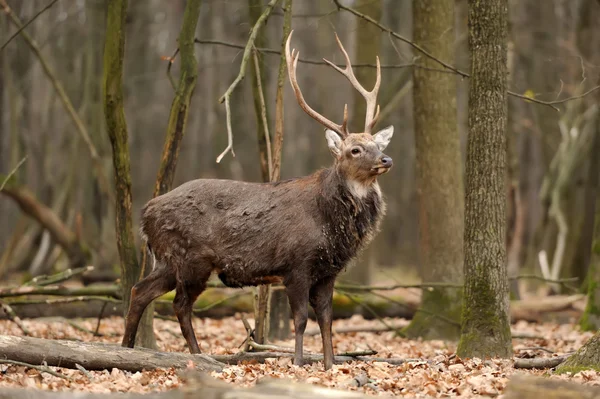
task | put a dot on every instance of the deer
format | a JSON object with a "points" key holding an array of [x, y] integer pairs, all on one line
{"points": [[301, 232]]}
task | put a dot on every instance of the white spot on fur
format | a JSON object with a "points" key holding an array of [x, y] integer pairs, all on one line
{"points": [[358, 189]]}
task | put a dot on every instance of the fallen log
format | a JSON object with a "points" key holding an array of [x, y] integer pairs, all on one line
{"points": [[540, 362], [97, 356], [528, 387]]}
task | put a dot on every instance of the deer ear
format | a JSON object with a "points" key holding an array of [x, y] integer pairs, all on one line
{"points": [[382, 138], [334, 141]]}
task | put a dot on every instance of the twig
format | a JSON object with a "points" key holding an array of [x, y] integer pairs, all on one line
{"points": [[368, 288], [369, 352], [65, 300], [171, 60], [112, 291], [370, 310], [220, 301], [550, 104], [12, 172], [540, 363], [25, 25], [355, 329], [42, 281], [96, 331], [80, 328], [229, 132], [400, 37], [301, 60], [537, 348], [41, 369], [263, 111], [84, 371], [14, 317], [225, 97]]}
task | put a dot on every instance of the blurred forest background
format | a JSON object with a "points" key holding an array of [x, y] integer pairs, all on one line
{"points": [[552, 55]]}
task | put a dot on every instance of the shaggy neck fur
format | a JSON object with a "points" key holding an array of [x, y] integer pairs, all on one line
{"points": [[351, 218]]}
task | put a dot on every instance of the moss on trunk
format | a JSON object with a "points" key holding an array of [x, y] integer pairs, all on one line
{"points": [[485, 330], [586, 358], [439, 174], [116, 127]]}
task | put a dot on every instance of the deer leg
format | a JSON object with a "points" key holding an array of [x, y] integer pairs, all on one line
{"points": [[321, 297], [190, 284], [298, 298], [158, 282]]}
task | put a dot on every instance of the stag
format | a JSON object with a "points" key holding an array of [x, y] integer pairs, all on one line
{"points": [[299, 232]]}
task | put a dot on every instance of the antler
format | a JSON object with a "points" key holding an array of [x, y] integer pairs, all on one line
{"points": [[369, 96], [292, 62]]}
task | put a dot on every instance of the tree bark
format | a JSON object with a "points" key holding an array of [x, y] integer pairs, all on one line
{"points": [[262, 130], [591, 316], [587, 357], [97, 356], [439, 173], [485, 329], [279, 314], [116, 127]]}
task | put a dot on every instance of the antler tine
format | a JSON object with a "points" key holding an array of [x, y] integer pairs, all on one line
{"points": [[369, 96], [292, 63]]}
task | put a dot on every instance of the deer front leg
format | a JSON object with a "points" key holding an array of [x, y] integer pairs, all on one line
{"points": [[298, 297], [321, 300]]}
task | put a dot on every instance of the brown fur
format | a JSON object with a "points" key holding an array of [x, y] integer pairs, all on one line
{"points": [[301, 232]]}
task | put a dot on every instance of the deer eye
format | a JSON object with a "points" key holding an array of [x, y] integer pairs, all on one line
{"points": [[355, 151]]}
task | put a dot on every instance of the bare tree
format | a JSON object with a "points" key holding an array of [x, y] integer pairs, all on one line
{"points": [[439, 175], [485, 319], [116, 125]]}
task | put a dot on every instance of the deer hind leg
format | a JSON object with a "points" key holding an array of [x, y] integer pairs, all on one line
{"points": [[191, 281], [158, 282], [321, 297]]}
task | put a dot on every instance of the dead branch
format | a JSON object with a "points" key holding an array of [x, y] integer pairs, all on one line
{"points": [[29, 204], [14, 317], [26, 24], [12, 172], [41, 369], [64, 98], [261, 357], [539, 362], [44, 280], [111, 291], [358, 329], [396, 35], [226, 96]]}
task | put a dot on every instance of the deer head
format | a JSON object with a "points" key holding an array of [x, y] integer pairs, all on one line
{"points": [[358, 156]]}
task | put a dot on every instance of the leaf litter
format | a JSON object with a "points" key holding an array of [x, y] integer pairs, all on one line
{"points": [[437, 371]]}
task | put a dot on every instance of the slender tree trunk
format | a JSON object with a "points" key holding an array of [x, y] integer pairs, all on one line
{"points": [[116, 125], [591, 316], [439, 175], [485, 328], [366, 44], [279, 314], [262, 130], [177, 123]]}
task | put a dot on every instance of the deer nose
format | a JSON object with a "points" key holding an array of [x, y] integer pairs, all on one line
{"points": [[387, 161]]}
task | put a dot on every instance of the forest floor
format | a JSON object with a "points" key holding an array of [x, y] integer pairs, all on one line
{"points": [[438, 373]]}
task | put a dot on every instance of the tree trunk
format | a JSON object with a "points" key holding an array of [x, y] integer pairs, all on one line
{"points": [[279, 314], [116, 126], [366, 44], [175, 131], [439, 174], [587, 357], [591, 316], [485, 329], [262, 131]]}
